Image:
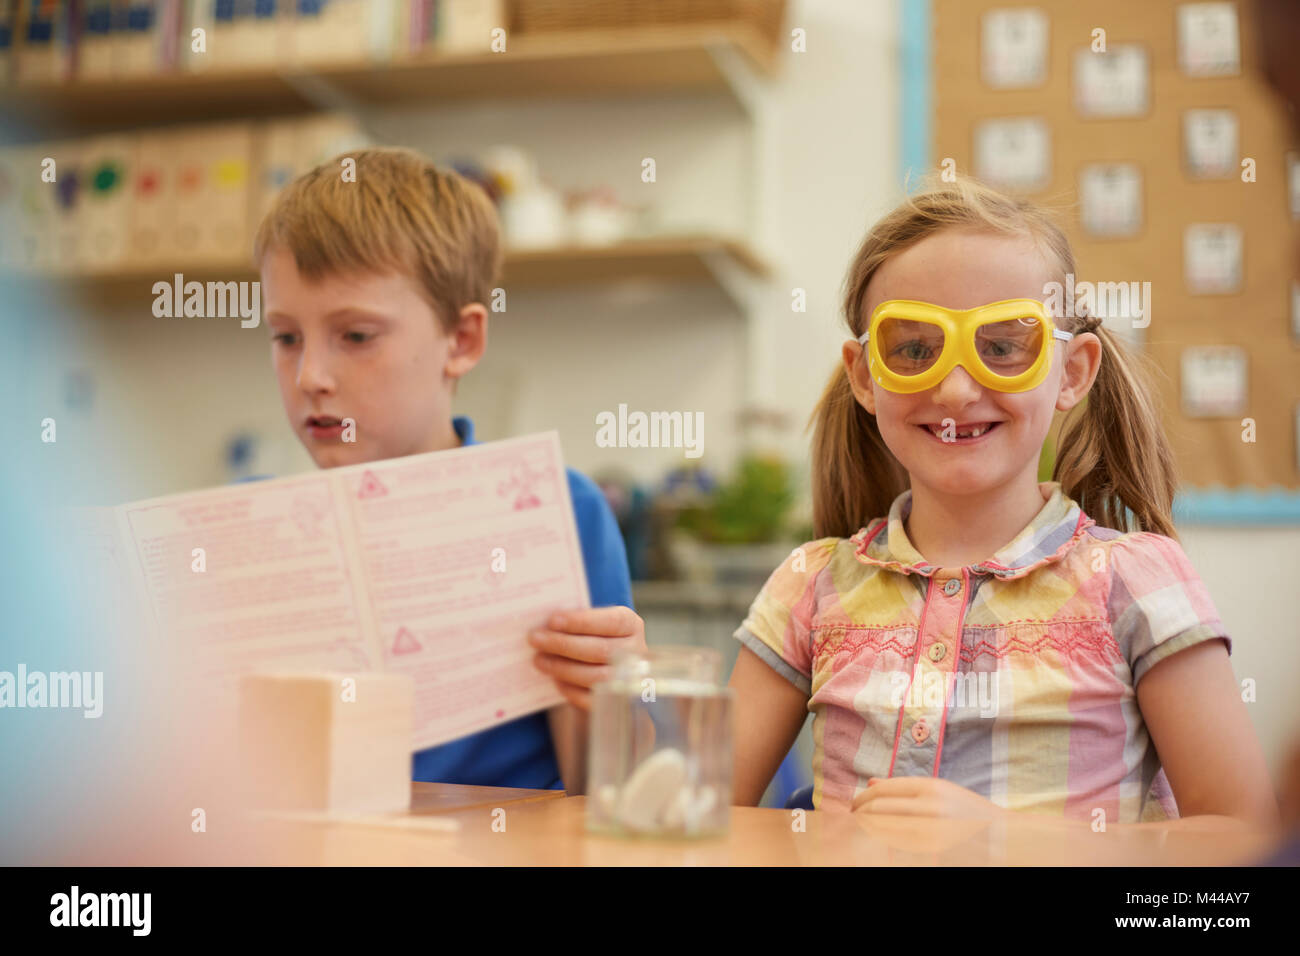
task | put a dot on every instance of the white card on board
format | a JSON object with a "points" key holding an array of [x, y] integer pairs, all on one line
{"points": [[1212, 258], [1013, 48], [1214, 381], [1013, 153], [1111, 198], [1293, 182], [1210, 143], [1111, 84], [1295, 311], [1208, 42]]}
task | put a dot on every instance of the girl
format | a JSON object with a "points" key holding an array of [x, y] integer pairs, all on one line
{"points": [[971, 641]]}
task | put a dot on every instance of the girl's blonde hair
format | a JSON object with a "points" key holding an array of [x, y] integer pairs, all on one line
{"points": [[1113, 457]]}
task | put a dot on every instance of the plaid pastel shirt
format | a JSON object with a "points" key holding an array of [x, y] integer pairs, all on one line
{"points": [[1014, 678]]}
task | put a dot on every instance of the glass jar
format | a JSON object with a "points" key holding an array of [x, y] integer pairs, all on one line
{"points": [[659, 760]]}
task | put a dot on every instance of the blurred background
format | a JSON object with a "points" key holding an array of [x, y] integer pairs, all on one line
{"points": [[682, 186]]}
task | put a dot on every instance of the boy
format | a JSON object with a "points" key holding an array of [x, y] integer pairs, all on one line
{"points": [[374, 292]]}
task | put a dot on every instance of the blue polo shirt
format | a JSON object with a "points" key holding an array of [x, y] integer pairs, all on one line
{"points": [[520, 753]]}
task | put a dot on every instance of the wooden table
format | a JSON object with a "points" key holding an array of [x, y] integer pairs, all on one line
{"points": [[427, 798], [547, 828]]}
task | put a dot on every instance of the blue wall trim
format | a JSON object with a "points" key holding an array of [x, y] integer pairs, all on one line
{"points": [[1237, 506], [915, 94]]}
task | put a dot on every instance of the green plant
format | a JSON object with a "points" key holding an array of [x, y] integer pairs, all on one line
{"points": [[749, 509]]}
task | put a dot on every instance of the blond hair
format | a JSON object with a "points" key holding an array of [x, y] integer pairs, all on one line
{"points": [[401, 214], [1113, 457]]}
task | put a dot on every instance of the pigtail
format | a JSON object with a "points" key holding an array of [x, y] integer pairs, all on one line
{"points": [[1113, 457], [855, 476]]}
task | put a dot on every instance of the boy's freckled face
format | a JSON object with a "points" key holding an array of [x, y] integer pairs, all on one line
{"points": [[368, 348], [961, 269]]}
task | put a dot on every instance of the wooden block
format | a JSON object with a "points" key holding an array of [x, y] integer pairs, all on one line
{"points": [[288, 147], [104, 211], [188, 169], [327, 742], [153, 200], [467, 25], [34, 248], [226, 151], [69, 198]]}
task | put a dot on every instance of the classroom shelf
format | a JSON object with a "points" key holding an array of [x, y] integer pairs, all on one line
{"points": [[679, 259], [605, 62], [675, 259]]}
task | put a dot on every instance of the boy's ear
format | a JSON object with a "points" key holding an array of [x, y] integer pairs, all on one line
{"points": [[855, 364], [1082, 362], [468, 340]]}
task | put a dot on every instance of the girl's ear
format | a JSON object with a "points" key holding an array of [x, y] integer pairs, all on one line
{"points": [[855, 364], [1082, 362]]}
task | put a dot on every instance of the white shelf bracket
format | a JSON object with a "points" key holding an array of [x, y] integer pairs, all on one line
{"points": [[736, 281], [323, 94], [746, 85], [763, 311]]}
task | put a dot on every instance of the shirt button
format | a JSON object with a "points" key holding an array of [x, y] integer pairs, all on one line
{"points": [[920, 732], [951, 586], [937, 651]]}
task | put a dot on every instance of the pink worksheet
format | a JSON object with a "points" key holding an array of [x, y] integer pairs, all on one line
{"points": [[434, 565]]}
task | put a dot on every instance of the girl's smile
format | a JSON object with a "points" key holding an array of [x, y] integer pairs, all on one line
{"points": [[951, 433]]}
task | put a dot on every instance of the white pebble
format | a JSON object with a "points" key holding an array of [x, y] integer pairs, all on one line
{"points": [[650, 788], [678, 808], [607, 799]]}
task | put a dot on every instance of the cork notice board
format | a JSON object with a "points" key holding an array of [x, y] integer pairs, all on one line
{"points": [[1222, 301]]}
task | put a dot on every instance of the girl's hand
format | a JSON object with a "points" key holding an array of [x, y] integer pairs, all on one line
{"points": [[925, 797], [576, 646]]}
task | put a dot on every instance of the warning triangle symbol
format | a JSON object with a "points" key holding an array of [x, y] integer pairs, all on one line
{"points": [[405, 642], [371, 487]]}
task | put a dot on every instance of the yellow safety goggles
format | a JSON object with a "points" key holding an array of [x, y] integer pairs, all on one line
{"points": [[1005, 346]]}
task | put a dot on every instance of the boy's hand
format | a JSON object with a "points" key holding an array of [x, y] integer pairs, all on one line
{"points": [[925, 797], [576, 646]]}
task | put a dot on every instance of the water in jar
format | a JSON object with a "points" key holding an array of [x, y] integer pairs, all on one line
{"points": [[660, 756]]}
